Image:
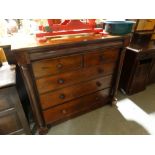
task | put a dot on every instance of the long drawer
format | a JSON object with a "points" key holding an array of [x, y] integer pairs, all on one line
{"points": [[56, 65], [73, 107], [69, 93], [101, 56], [62, 80]]}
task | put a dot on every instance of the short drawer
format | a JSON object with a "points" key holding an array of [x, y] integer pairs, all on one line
{"points": [[9, 123], [7, 98], [71, 108], [56, 65], [62, 80], [101, 56], [72, 92]]}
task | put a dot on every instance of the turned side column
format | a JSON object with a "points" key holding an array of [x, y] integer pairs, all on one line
{"points": [[24, 63], [118, 74], [34, 101], [119, 69]]}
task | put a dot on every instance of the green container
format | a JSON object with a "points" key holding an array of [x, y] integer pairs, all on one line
{"points": [[48, 29], [118, 27]]}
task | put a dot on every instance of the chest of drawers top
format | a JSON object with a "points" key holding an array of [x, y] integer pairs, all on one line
{"points": [[29, 54]]}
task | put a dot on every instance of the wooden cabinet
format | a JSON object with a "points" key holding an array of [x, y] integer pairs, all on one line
{"points": [[139, 68], [144, 30], [145, 25], [152, 72], [12, 117], [66, 80]]}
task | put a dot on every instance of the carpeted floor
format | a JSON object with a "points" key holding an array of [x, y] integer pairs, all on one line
{"points": [[133, 115]]}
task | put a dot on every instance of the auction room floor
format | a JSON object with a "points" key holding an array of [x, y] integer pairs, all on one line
{"points": [[133, 115]]}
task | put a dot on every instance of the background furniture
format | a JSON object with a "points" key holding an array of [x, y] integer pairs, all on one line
{"points": [[12, 117], [139, 67], [143, 31], [145, 25], [19, 84], [67, 79]]}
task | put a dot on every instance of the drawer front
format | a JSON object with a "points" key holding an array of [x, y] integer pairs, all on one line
{"points": [[56, 65], [9, 123], [69, 93], [62, 80], [101, 56], [7, 98], [76, 106]]}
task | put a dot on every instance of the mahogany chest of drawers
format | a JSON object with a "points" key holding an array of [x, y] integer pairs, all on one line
{"points": [[65, 80], [12, 117]]}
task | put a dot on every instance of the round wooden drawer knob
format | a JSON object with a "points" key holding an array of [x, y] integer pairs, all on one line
{"points": [[59, 66], [64, 111], [98, 83], [62, 96], [61, 81]]}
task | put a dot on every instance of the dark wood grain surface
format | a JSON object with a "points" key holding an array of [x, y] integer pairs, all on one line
{"points": [[85, 103], [65, 79], [101, 56], [57, 65], [75, 91]]}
